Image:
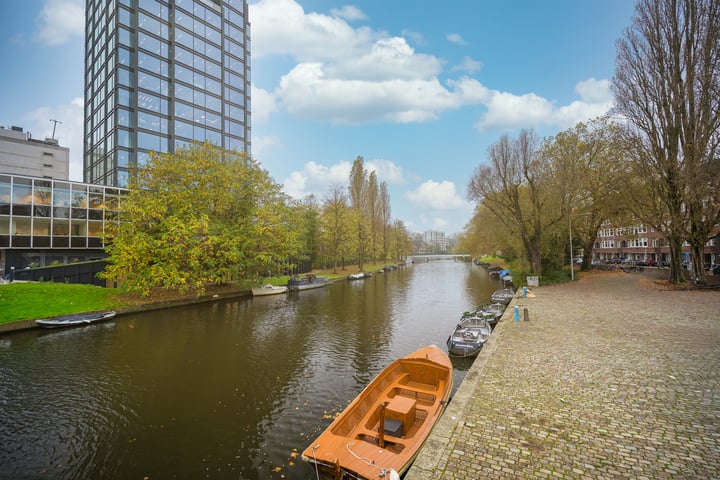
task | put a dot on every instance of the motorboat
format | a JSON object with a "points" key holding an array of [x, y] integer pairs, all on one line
{"points": [[269, 289], [469, 336], [306, 282], [503, 295]]}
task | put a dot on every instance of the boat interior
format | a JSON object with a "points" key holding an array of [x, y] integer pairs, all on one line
{"points": [[402, 400]]}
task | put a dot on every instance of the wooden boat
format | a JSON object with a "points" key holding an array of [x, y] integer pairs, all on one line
{"points": [[504, 295], [268, 290], [307, 282], [380, 433], [469, 336], [75, 320]]}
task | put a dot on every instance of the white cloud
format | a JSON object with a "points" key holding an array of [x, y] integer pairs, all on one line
{"points": [[263, 104], [69, 133], [509, 111], [594, 91], [468, 65], [317, 179], [416, 37], [386, 171], [260, 145], [282, 27], [349, 12], [506, 110], [307, 92], [436, 196], [456, 38], [348, 75], [59, 20], [386, 59]]}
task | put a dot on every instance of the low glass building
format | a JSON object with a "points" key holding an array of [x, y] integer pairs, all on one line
{"points": [[45, 222]]}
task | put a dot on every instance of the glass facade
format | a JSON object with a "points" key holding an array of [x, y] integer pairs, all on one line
{"points": [[43, 213], [160, 74]]}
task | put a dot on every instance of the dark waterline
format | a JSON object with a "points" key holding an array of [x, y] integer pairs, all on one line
{"points": [[233, 389]]}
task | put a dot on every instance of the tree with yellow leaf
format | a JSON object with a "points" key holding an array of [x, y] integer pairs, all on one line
{"points": [[201, 215]]}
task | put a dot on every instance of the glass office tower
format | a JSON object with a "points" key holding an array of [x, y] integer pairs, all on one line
{"points": [[160, 74]]}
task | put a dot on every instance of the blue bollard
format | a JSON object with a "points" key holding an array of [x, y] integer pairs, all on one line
{"points": [[517, 313]]}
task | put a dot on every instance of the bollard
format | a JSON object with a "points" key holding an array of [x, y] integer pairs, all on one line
{"points": [[517, 313], [524, 292], [526, 314]]}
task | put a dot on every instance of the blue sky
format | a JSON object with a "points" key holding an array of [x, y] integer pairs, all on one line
{"points": [[419, 89]]}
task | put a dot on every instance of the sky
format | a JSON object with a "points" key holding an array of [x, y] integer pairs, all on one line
{"points": [[419, 89]]}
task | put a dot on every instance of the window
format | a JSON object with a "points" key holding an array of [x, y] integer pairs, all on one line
{"points": [[148, 141]]}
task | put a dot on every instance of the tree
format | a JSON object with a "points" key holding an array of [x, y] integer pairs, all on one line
{"points": [[335, 220], [201, 215], [401, 242], [385, 219], [306, 220], [586, 171], [372, 193], [358, 202], [511, 186], [485, 234], [667, 84]]}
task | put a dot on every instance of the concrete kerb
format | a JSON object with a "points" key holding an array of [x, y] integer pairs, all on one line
{"points": [[435, 452]]}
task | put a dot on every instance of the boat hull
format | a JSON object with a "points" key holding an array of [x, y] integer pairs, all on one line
{"points": [[74, 320], [407, 399], [306, 283], [268, 290], [503, 296], [469, 336]]}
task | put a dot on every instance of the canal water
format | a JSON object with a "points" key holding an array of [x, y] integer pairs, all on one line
{"points": [[234, 389]]}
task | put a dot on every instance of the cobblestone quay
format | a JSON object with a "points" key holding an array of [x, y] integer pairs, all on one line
{"points": [[611, 377]]}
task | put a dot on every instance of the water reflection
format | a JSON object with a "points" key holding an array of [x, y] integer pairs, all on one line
{"points": [[231, 389]]}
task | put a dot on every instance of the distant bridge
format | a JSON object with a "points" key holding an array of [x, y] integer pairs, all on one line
{"points": [[456, 257]]}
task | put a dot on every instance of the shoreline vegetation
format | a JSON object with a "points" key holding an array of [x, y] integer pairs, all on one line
{"points": [[27, 301]]}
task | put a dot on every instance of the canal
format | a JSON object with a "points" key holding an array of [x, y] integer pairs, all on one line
{"points": [[234, 389]]}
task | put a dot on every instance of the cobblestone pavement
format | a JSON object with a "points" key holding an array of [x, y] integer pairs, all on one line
{"points": [[611, 377]]}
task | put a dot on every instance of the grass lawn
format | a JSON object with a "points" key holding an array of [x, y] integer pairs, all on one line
{"points": [[23, 301], [29, 301]]}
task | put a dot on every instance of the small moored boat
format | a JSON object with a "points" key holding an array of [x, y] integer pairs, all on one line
{"points": [[269, 289], [469, 336], [504, 295], [359, 276], [307, 282], [75, 319], [493, 310], [380, 433]]}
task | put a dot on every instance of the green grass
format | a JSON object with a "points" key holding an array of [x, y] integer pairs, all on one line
{"points": [[24, 301]]}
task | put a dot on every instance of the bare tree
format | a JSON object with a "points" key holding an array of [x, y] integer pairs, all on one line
{"points": [[511, 186], [667, 85]]}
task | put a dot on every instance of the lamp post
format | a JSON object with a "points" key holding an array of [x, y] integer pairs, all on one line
{"points": [[572, 260]]}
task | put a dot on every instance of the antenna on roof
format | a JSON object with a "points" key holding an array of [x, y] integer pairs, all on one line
{"points": [[55, 125]]}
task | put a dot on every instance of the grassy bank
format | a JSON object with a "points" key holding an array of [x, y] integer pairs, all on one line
{"points": [[27, 301], [23, 301]]}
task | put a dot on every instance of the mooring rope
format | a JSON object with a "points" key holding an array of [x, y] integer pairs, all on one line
{"points": [[382, 472], [317, 474]]}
